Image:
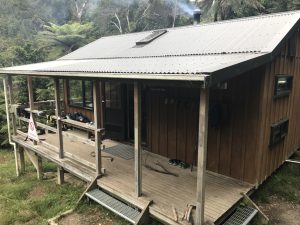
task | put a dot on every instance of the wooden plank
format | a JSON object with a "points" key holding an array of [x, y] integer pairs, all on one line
{"points": [[97, 121], [11, 102], [21, 159], [137, 139], [163, 126], [202, 152], [37, 163], [58, 119], [60, 175], [41, 125], [172, 127], [79, 125]]}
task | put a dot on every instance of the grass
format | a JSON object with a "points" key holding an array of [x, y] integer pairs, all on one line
{"points": [[26, 200], [283, 184]]}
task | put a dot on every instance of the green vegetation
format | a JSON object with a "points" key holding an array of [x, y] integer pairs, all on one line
{"points": [[26, 200], [284, 184]]}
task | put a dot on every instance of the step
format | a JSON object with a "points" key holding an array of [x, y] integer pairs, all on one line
{"points": [[120, 208], [242, 216]]}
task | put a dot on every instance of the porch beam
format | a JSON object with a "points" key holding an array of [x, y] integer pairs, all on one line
{"points": [[31, 100], [137, 139], [97, 98], [202, 152], [58, 119]]}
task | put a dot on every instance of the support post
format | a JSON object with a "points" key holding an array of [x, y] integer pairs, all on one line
{"points": [[21, 160], [97, 120], [58, 119], [11, 101], [37, 163], [202, 152], [137, 139], [31, 100], [60, 175], [102, 103]]}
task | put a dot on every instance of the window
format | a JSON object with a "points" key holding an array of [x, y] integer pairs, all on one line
{"points": [[113, 95], [80, 93], [151, 37], [278, 131], [283, 85]]}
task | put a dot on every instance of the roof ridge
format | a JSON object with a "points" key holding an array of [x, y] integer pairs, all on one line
{"points": [[171, 55]]}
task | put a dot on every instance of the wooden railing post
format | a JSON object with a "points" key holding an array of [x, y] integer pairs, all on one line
{"points": [[202, 152], [97, 98], [11, 102], [137, 139], [58, 118], [31, 100]]}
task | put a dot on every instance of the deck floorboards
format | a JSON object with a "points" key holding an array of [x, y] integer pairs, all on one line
{"points": [[164, 190]]}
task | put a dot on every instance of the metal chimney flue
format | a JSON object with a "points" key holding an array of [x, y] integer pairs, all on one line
{"points": [[197, 16]]}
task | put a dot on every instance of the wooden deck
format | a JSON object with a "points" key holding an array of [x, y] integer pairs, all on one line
{"points": [[164, 190]]}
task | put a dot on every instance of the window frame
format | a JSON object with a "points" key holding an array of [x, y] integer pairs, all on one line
{"points": [[84, 105], [285, 93], [283, 127]]}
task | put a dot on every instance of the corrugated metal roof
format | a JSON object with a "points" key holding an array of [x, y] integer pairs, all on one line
{"points": [[203, 64], [186, 53], [253, 34]]}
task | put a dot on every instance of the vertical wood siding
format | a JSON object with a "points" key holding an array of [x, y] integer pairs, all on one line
{"points": [[232, 146], [274, 110], [172, 118]]}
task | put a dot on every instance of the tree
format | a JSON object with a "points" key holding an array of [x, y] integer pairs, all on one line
{"points": [[69, 36], [229, 9], [272, 6]]}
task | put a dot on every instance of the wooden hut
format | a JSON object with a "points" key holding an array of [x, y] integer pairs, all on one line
{"points": [[220, 97]]}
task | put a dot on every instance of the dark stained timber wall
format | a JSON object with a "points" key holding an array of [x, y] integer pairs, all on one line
{"points": [[274, 110], [172, 122], [233, 127], [240, 147]]}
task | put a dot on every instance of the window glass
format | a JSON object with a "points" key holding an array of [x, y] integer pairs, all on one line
{"points": [[75, 93], [88, 94], [80, 93], [113, 95], [278, 131], [283, 85]]}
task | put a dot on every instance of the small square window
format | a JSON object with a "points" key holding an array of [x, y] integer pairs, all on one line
{"points": [[283, 85], [278, 131]]}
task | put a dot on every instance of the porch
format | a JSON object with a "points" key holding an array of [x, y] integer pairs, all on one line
{"points": [[165, 190]]}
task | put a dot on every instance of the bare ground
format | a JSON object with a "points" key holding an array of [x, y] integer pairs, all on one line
{"points": [[90, 217], [281, 212]]}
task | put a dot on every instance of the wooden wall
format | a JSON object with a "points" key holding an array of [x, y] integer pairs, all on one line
{"points": [[172, 122], [274, 110], [232, 143]]}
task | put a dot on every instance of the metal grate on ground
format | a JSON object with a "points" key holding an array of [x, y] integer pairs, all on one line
{"points": [[121, 150], [242, 216]]}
